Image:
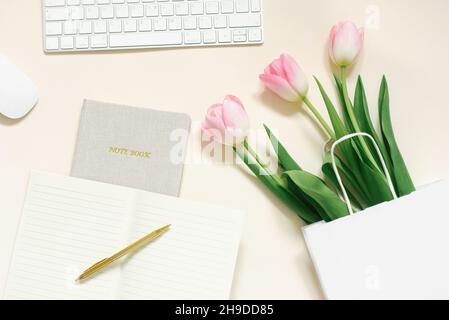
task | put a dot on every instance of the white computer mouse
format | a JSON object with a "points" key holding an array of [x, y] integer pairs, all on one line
{"points": [[18, 93]]}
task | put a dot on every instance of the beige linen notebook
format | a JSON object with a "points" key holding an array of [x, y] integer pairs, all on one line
{"points": [[131, 147], [69, 223]]}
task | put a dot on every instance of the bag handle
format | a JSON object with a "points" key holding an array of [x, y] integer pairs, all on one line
{"points": [[340, 182]]}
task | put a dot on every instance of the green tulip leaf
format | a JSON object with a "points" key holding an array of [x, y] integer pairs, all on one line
{"points": [[311, 203], [378, 190], [363, 116], [353, 188], [298, 206], [341, 95], [401, 175], [284, 158], [339, 127], [333, 207]]}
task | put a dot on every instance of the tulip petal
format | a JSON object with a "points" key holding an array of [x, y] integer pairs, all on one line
{"points": [[280, 87], [214, 117], [294, 74], [234, 114], [331, 42], [277, 68], [214, 126]]}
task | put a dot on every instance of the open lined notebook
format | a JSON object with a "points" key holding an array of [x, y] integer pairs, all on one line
{"points": [[68, 224]]}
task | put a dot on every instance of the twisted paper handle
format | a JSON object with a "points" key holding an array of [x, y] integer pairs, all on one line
{"points": [[340, 182]]}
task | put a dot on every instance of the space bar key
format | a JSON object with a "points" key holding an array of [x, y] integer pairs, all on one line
{"points": [[145, 39]]}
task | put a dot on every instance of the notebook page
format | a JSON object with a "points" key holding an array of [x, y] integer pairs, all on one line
{"points": [[67, 225], [195, 259]]}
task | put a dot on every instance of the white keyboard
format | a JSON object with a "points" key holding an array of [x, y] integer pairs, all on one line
{"points": [[84, 25]]}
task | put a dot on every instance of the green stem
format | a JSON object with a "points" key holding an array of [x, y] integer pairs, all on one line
{"points": [[315, 112], [348, 102], [264, 166], [263, 170], [352, 117], [254, 154]]}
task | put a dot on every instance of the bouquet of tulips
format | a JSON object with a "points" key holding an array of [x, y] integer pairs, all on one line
{"points": [[314, 198]]}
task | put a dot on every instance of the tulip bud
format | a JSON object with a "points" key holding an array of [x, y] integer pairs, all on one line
{"points": [[286, 79], [228, 122], [345, 43]]}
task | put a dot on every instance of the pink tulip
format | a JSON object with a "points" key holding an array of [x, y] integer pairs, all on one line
{"points": [[228, 122], [285, 78], [345, 43]]}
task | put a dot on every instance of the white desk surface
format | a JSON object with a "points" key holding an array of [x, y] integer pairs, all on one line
{"points": [[410, 46]]}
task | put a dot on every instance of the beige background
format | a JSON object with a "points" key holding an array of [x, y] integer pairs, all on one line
{"points": [[407, 40]]}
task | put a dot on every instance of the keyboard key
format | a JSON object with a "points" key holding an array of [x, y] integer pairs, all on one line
{"points": [[167, 9], [175, 23], [220, 21], [256, 6], [255, 35], [122, 11], [196, 8], [152, 10], [54, 3], [52, 43], [115, 26], [145, 39], [77, 13], [189, 23], [70, 27], [227, 6], [245, 20], [92, 13], [212, 7], [66, 42], [85, 27], [130, 25], [242, 5], [53, 28], [182, 9], [82, 42], [209, 36], [144, 25], [224, 36], [205, 22], [100, 26], [107, 12], [99, 41], [239, 36], [136, 10], [192, 37], [57, 14], [160, 24]]}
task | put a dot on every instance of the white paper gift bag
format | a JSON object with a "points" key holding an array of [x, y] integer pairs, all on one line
{"points": [[395, 250]]}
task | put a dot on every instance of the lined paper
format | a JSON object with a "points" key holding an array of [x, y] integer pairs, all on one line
{"points": [[68, 224], [195, 259]]}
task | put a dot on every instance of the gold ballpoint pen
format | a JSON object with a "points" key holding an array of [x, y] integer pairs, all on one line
{"points": [[129, 249]]}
